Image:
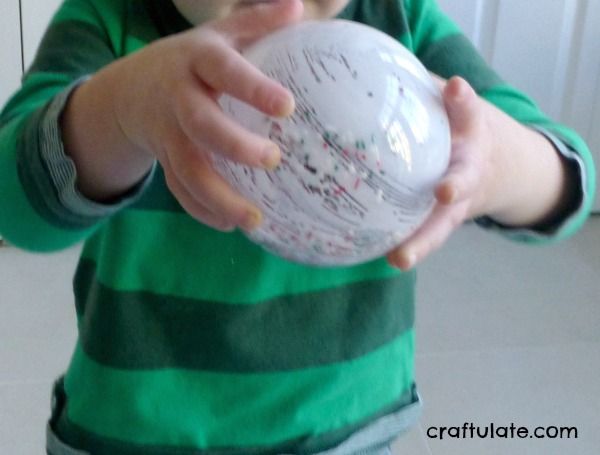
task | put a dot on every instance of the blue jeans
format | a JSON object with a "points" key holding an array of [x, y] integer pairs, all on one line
{"points": [[54, 446]]}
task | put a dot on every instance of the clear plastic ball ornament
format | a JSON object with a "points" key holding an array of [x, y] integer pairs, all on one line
{"points": [[362, 153]]}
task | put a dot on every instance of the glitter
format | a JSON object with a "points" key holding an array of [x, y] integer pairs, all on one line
{"points": [[340, 190]]}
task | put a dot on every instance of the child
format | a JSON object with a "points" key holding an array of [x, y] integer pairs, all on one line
{"points": [[192, 340]]}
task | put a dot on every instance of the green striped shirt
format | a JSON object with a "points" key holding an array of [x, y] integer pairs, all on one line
{"points": [[196, 341]]}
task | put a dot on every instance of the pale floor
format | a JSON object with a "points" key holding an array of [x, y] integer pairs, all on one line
{"points": [[506, 333]]}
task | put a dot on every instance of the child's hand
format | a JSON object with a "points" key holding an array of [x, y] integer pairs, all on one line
{"points": [[498, 167], [465, 189], [175, 114], [166, 106]]}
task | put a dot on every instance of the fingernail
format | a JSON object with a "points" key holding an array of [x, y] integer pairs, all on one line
{"points": [[251, 221], [271, 157], [446, 193], [451, 194], [283, 106], [406, 260]]}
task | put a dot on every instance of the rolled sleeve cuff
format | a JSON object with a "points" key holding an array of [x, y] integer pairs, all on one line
{"points": [[556, 228], [63, 174]]}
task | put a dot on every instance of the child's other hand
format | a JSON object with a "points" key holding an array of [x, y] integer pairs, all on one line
{"points": [[464, 190], [167, 106]]}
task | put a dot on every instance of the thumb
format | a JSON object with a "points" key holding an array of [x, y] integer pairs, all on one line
{"points": [[253, 21], [461, 104]]}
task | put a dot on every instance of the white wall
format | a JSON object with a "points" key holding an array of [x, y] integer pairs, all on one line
{"points": [[10, 48], [547, 48], [18, 44]]}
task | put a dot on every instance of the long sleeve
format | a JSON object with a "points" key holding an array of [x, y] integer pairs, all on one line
{"points": [[40, 207]]}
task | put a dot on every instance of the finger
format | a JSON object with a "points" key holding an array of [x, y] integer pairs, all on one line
{"points": [[251, 22], [434, 233], [193, 207], [464, 111], [206, 125], [462, 178], [465, 116], [192, 169], [224, 70]]}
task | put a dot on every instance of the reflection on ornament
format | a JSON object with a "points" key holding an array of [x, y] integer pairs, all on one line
{"points": [[361, 154]]}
